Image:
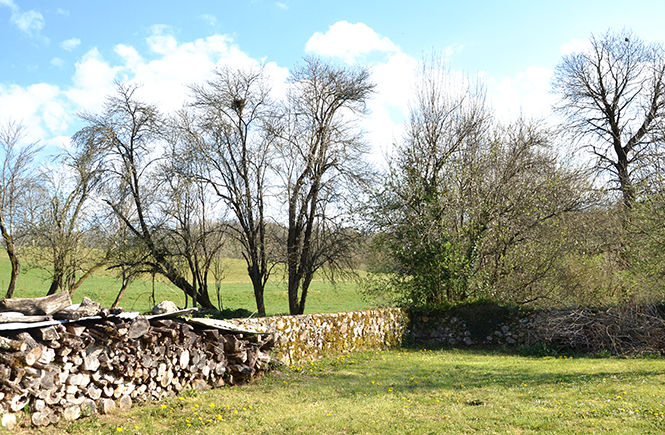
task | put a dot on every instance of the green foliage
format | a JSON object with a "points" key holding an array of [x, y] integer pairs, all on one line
{"points": [[428, 270], [484, 219]]}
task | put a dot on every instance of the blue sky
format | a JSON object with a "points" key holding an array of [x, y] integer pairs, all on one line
{"points": [[59, 57]]}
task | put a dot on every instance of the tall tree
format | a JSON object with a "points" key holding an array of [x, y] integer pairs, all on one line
{"points": [[16, 178], [613, 101], [233, 149], [469, 208], [428, 217], [321, 156], [129, 135]]}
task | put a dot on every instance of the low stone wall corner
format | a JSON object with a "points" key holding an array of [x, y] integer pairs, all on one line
{"points": [[308, 337]]}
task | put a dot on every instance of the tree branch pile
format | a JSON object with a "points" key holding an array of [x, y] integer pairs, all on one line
{"points": [[619, 330], [68, 370]]}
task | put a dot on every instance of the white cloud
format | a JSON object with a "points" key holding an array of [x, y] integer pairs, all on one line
{"points": [[282, 6], [161, 41], [92, 82], [278, 77], [56, 61], [452, 49], [348, 42], [209, 19], [389, 108], [163, 73], [394, 79], [30, 22], [70, 44], [177, 65], [10, 4], [39, 107], [168, 66], [49, 112], [132, 59], [575, 46], [527, 94]]}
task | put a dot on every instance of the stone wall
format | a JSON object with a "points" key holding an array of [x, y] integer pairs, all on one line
{"points": [[625, 330], [307, 337]]}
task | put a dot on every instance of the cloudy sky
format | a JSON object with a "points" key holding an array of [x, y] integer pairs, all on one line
{"points": [[59, 57]]}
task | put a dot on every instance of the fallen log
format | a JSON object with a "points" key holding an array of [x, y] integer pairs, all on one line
{"points": [[37, 306], [12, 345], [21, 359]]}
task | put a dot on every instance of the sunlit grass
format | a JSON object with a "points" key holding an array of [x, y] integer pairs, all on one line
{"points": [[419, 392]]}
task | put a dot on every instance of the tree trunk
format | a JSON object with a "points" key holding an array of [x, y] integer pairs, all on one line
{"points": [[125, 283], [13, 259], [258, 281], [177, 279], [56, 283], [185, 286], [258, 291], [16, 269], [625, 183], [85, 276], [306, 281], [293, 285]]}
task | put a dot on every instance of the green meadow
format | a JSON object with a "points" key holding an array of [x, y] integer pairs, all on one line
{"points": [[402, 391], [235, 291], [415, 392]]}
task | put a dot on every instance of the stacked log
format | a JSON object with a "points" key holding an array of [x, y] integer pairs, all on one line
{"points": [[69, 370]]}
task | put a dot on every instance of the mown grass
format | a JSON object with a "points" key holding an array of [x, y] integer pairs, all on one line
{"points": [[235, 291], [415, 392]]}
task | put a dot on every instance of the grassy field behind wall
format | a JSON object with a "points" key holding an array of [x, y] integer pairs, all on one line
{"points": [[235, 291]]}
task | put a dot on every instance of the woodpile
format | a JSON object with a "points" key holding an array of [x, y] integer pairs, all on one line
{"points": [[626, 330], [96, 364]]}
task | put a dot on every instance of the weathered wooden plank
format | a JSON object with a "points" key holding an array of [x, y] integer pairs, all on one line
{"points": [[221, 324], [22, 318]]}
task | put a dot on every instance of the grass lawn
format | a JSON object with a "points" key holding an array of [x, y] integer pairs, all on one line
{"points": [[416, 392], [235, 291]]}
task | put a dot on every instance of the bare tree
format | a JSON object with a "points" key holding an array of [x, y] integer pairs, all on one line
{"points": [[613, 100], [196, 238], [59, 225], [16, 177], [129, 136], [128, 256], [230, 142], [321, 158]]}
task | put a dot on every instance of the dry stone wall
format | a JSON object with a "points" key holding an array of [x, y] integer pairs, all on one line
{"points": [[625, 330], [307, 337]]}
